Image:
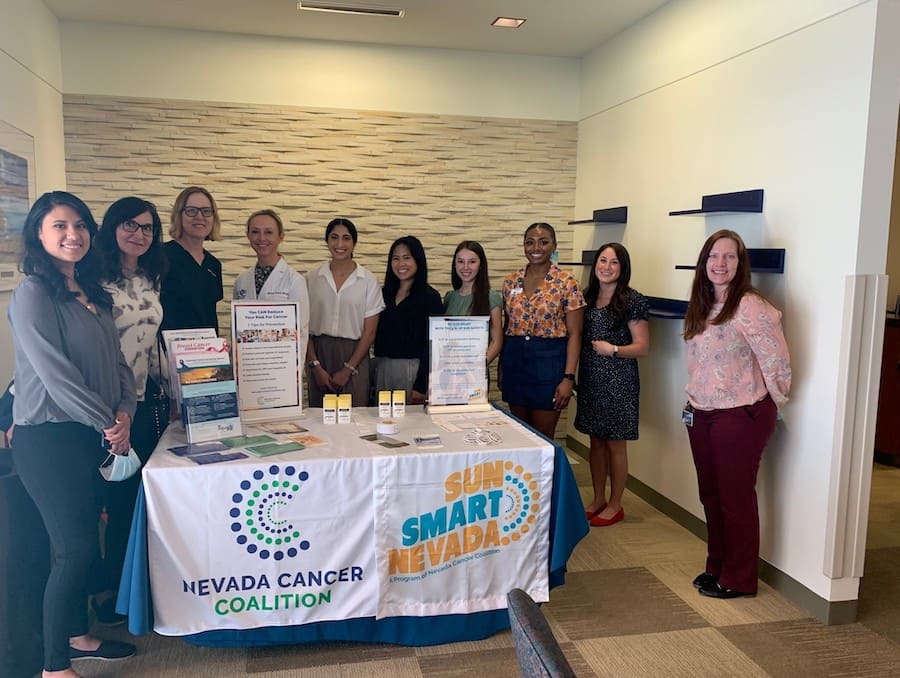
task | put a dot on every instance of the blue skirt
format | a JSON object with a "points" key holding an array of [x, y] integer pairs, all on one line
{"points": [[532, 369]]}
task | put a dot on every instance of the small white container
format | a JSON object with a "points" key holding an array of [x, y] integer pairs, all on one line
{"points": [[387, 427]]}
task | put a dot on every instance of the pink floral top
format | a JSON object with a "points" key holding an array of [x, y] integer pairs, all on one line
{"points": [[543, 314], [737, 362]]}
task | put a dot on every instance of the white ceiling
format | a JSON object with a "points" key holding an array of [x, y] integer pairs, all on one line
{"points": [[565, 28]]}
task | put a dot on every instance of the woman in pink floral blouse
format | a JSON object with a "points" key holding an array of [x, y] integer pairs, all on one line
{"points": [[739, 374]]}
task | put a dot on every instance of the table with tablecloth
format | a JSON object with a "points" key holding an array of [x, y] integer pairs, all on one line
{"points": [[352, 537]]}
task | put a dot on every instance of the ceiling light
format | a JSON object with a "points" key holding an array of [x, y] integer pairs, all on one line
{"points": [[349, 8], [507, 22]]}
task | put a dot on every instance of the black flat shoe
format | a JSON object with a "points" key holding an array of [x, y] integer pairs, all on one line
{"points": [[716, 590], [109, 650], [105, 612], [705, 580]]}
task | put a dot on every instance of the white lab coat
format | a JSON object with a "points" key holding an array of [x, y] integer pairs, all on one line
{"points": [[283, 284]]}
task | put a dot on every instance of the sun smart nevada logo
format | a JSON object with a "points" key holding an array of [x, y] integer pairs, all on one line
{"points": [[256, 510], [488, 507]]}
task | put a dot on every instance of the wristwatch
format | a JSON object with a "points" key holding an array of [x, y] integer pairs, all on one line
{"points": [[569, 376], [615, 351], [313, 364]]}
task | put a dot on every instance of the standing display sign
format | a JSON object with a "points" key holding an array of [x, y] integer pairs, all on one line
{"points": [[268, 359], [458, 379]]}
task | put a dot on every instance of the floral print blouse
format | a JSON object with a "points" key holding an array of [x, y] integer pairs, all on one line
{"points": [[543, 314], [738, 362]]}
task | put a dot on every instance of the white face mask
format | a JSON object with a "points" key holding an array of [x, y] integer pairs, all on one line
{"points": [[118, 467]]}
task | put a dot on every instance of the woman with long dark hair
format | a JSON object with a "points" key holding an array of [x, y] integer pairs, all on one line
{"points": [[544, 312], [130, 246], [74, 395], [344, 303], [739, 374], [616, 333], [472, 293], [401, 343]]}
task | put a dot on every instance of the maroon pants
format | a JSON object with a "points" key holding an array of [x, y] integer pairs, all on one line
{"points": [[727, 446]]}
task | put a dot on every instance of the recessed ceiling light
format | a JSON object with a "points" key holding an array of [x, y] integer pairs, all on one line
{"points": [[349, 8], [507, 22]]}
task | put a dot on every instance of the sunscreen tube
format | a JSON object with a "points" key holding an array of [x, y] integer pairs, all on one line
{"points": [[398, 403], [384, 404], [329, 408], [344, 405]]}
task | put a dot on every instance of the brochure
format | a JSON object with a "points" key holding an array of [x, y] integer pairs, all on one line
{"points": [[207, 389]]}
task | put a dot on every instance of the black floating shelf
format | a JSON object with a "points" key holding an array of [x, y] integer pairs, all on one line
{"points": [[762, 260], [740, 201], [610, 215], [670, 309], [587, 258]]}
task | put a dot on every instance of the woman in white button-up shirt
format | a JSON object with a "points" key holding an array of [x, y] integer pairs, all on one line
{"points": [[345, 300]]}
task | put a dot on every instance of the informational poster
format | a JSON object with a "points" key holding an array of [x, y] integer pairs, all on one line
{"points": [[459, 377], [268, 360]]}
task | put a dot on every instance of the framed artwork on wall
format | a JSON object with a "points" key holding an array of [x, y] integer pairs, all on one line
{"points": [[17, 191]]}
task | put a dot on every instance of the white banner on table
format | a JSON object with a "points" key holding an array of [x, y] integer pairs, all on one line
{"points": [[240, 546], [266, 339], [458, 360], [455, 532]]}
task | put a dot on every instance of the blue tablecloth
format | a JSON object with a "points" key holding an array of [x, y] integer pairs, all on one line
{"points": [[568, 526]]}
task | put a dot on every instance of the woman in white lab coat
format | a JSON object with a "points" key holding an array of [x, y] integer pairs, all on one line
{"points": [[271, 279]]}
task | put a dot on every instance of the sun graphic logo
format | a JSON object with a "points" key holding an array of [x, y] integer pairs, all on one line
{"points": [[257, 524], [519, 506]]}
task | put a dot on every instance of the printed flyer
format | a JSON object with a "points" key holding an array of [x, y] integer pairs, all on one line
{"points": [[268, 359]]}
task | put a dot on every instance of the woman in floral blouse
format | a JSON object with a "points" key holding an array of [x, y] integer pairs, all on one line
{"points": [[739, 374], [544, 313]]}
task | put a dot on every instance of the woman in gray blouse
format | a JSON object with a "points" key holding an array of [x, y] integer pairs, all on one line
{"points": [[74, 395]]}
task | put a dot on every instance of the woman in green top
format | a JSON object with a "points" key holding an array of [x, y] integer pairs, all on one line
{"points": [[472, 293]]}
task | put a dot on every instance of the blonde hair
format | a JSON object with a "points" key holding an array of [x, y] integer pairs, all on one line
{"points": [[175, 228], [267, 213]]}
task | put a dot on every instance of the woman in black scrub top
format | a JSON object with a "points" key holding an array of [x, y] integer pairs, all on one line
{"points": [[193, 284]]}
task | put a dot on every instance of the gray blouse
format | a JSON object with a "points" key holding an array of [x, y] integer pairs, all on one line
{"points": [[69, 366]]}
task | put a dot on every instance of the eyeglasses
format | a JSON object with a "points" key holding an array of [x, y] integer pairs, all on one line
{"points": [[194, 211], [133, 227]]}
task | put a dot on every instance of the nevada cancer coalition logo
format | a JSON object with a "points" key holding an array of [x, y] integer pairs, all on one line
{"points": [[257, 507], [489, 506]]}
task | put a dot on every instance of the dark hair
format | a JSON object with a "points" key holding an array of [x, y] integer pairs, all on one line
{"points": [[267, 213], [152, 263], [420, 281], [481, 304], [37, 262], [176, 229], [545, 226], [618, 305], [346, 223], [703, 295]]}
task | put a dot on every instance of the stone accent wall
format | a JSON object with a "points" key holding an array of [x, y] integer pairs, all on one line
{"points": [[440, 178]]}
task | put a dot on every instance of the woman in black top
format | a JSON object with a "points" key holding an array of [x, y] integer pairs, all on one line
{"points": [[193, 283], [401, 343]]}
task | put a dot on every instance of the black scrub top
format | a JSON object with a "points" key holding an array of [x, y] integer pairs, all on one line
{"points": [[189, 292]]}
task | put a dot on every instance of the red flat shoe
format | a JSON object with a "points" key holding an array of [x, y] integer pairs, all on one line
{"points": [[597, 521], [591, 514]]}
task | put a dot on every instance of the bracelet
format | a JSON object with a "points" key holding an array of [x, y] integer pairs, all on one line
{"points": [[313, 364], [352, 369], [615, 351]]}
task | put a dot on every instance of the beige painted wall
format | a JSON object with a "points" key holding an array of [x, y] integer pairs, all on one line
{"points": [[192, 65], [31, 101], [751, 107]]}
